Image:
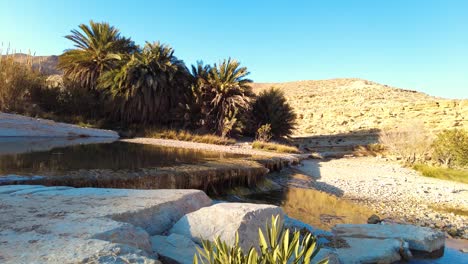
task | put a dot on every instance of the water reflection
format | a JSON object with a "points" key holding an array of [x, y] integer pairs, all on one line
{"points": [[114, 156], [313, 207]]}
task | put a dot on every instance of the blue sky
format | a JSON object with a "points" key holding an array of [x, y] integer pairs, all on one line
{"points": [[420, 45]]}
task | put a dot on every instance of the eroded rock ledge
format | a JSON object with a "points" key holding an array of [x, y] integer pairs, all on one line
{"points": [[90, 225], [12, 125]]}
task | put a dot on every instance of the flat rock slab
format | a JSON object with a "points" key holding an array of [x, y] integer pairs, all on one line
{"points": [[365, 250], [224, 220], [80, 225], [420, 239], [12, 125]]}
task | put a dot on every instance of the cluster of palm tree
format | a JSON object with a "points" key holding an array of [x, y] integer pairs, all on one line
{"points": [[150, 85]]}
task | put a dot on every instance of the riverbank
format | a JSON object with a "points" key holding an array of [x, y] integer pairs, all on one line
{"points": [[240, 148], [396, 193]]}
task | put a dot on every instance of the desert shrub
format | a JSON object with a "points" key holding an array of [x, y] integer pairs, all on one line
{"points": [[274, 147], [409, 142], [451, 148], [264, 133], [271, 107], [277, 247], [184, 135], [373, 149], [18, 82]]}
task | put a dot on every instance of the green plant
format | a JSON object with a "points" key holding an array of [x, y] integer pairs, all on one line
{"points": [[274, 147], [264, 133], [451, 148], [98, 48], [147, 86], [458, 175], [271, 107], [224, 93], [277, 247]]}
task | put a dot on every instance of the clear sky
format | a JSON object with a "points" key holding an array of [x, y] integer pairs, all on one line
{"points": [[413, 44]]}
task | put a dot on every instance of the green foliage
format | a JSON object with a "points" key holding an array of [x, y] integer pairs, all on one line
{"points": [[264, 133], [277, 247], [274, 147], [443, 173], [271, 107], [451, 148], [224, 93], [97, 46], [147, 85]]}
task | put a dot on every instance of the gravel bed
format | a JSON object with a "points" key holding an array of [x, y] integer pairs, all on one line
{"points": [[396, 193]]}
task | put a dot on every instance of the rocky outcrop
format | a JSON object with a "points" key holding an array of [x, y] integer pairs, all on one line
{"points": [[12, 125], [347, 105], [224, 220], [82, 225]]}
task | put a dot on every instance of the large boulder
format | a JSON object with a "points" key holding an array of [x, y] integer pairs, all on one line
{"points": [[12, 125], [224, 220], [421, 240], [82, 225]]}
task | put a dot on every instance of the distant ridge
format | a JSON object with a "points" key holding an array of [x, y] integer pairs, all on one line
{"points": [[349, 105], [45, 64]]}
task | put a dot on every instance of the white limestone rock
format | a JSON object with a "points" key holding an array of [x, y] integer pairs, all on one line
{"points": [[174, 247], [12, 125], [366, 250], [81, 225], [422, 239], [224, 220]]}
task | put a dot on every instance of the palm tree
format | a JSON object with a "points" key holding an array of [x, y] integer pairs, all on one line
{"points": [[98, 45], [271, 107], [148, 86], [226, 93]]}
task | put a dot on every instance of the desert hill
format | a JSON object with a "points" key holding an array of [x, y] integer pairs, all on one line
{"points": [[350, 105], [336, 106], [45, 64]]}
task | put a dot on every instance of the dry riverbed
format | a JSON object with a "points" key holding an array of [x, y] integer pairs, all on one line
{"points": [[398, 194]]}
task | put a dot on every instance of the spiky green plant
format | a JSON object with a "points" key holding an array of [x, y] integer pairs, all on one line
{"points": [[148, 85], [278, 247], [271, 107], [97, 46], [225, 93]]}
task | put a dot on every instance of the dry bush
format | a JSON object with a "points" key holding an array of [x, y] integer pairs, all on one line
{"points": [[409, 142], [184, 135], [274, 147], [17, 84]]}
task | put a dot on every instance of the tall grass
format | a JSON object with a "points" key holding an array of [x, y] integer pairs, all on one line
{"points": [[274, 147], [442, 173], [19, 83], [184, 135]]}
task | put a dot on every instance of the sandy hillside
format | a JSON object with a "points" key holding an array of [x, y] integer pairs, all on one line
{"points": [[349, 105]]}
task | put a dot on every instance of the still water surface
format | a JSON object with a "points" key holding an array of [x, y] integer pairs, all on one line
{"points": [[114, 156]]}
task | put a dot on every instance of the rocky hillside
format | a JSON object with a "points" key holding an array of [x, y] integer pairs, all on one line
{"points": [[351, 105], [45, 64]]}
